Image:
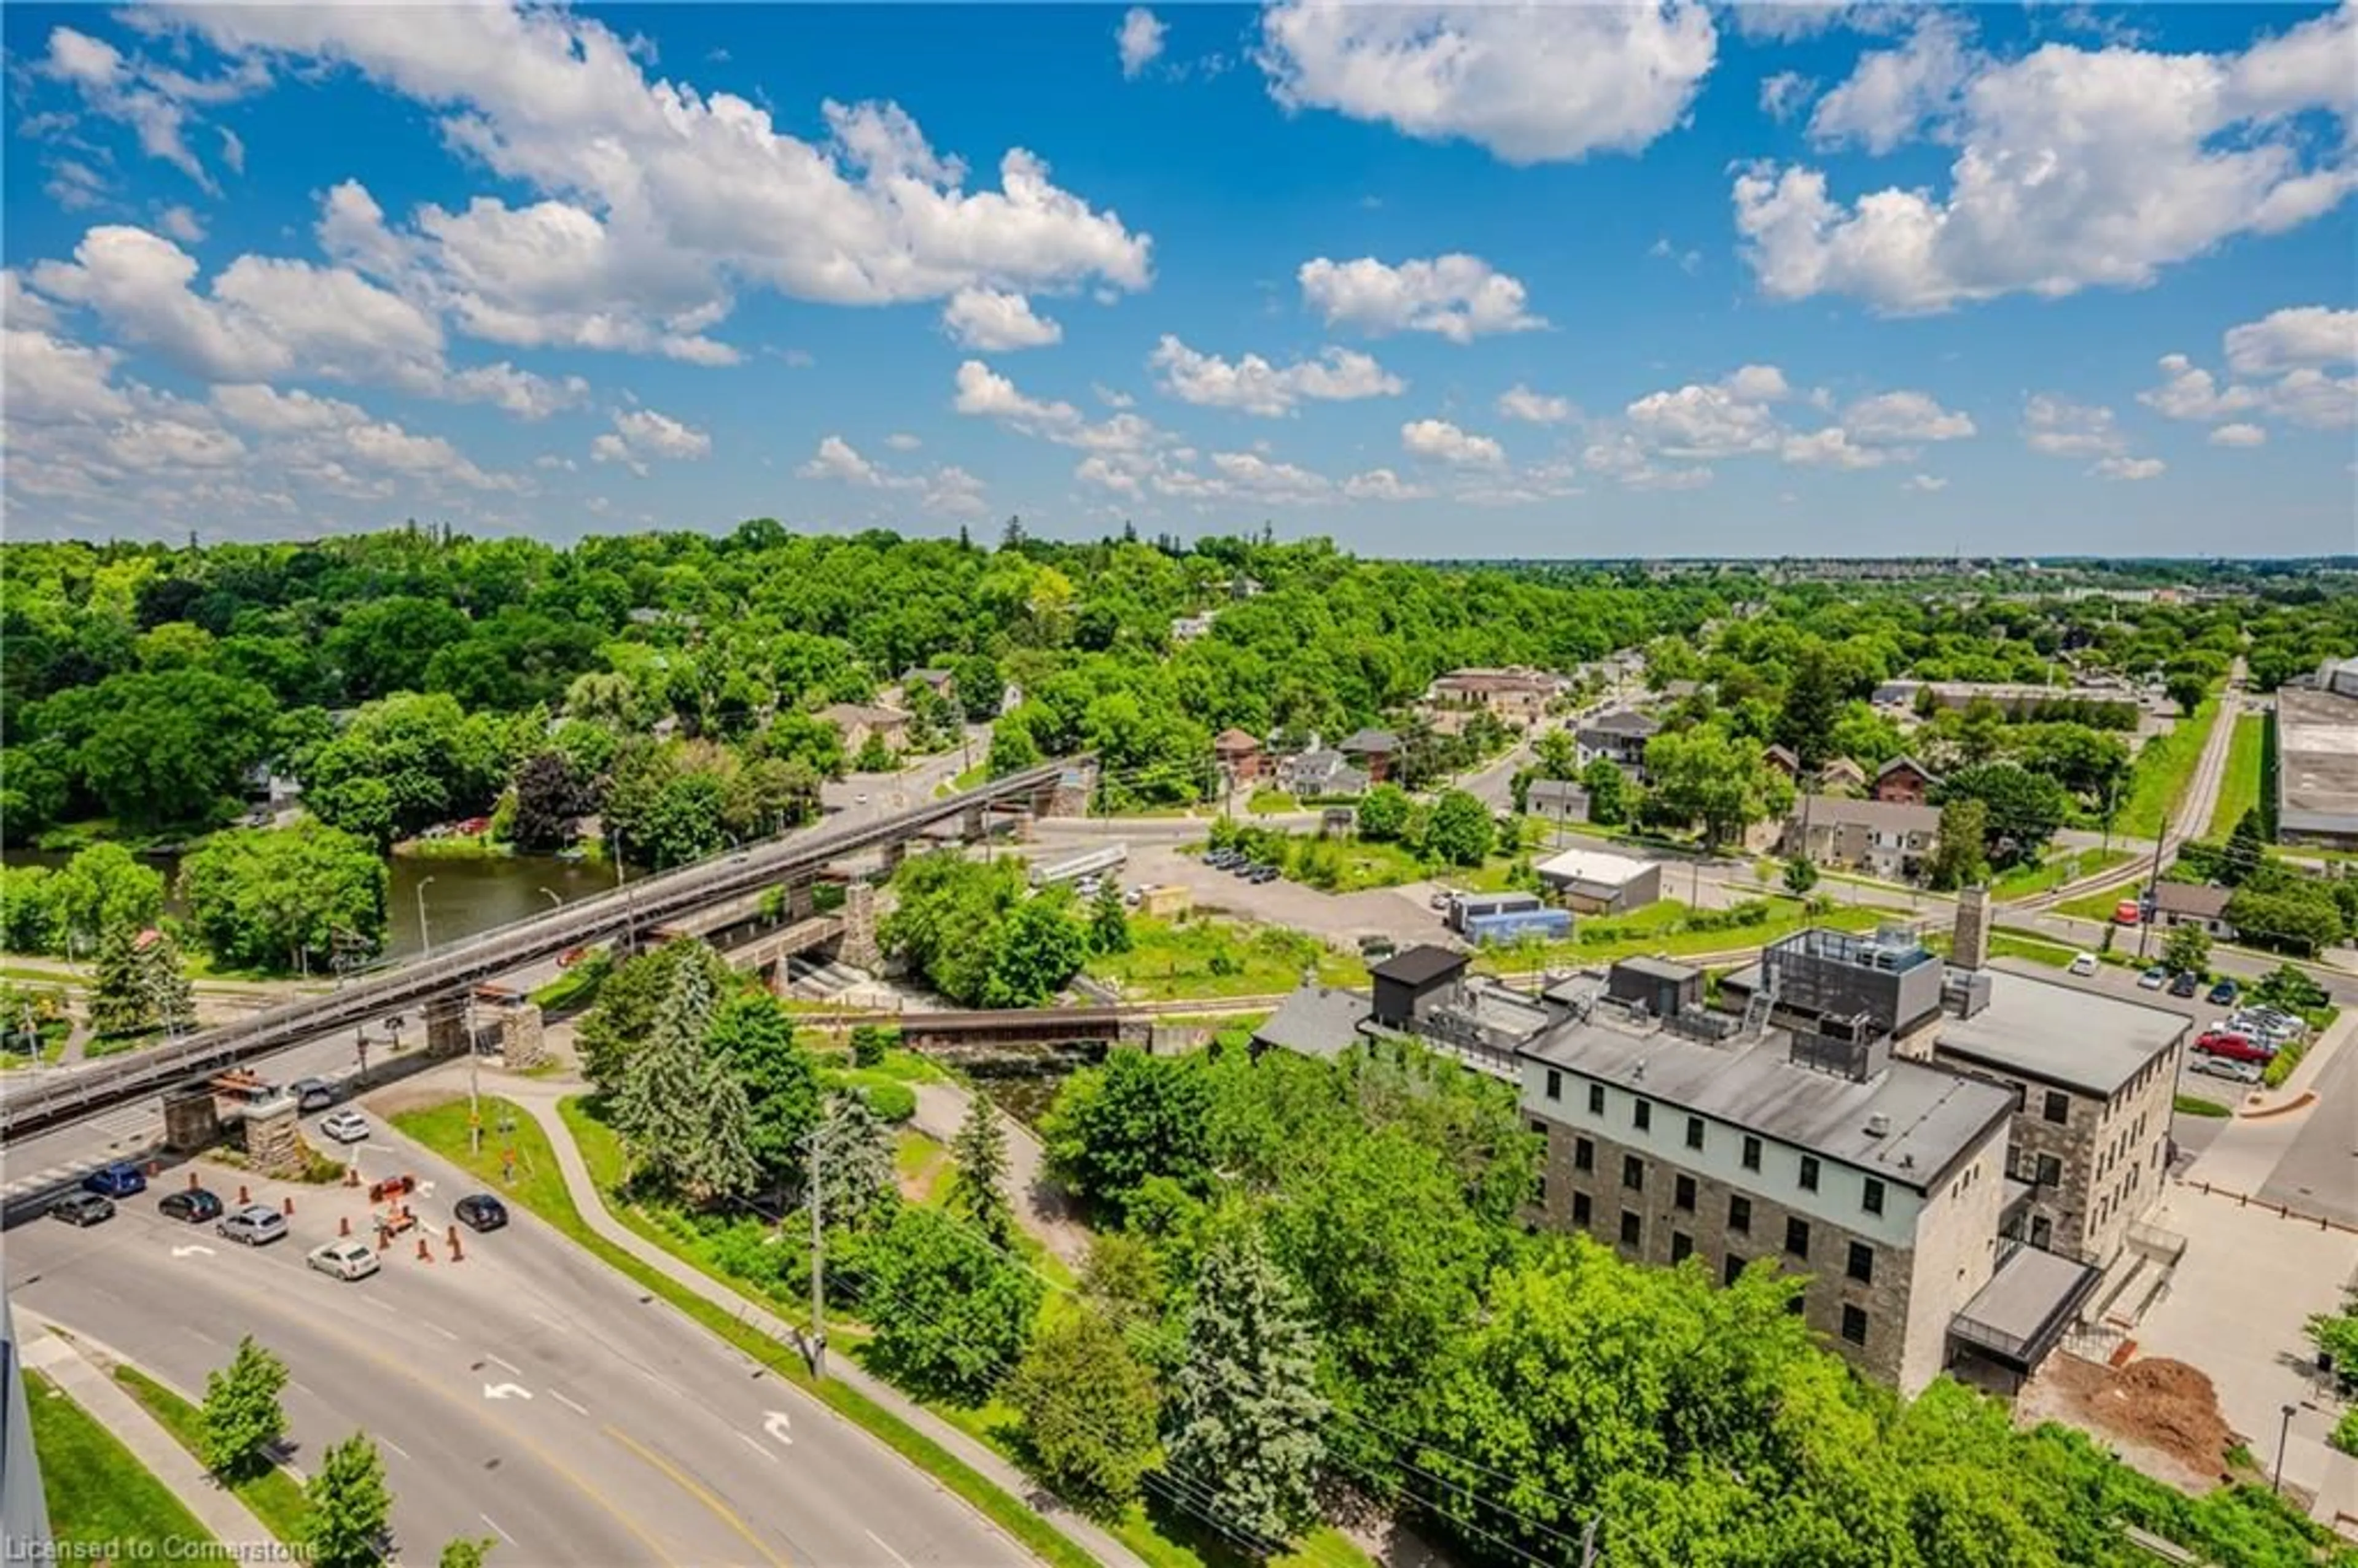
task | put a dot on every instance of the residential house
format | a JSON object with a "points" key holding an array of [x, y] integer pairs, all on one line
{"points": [[1783, 759], [1376, 752], [1557, 800], [1237, 756], [942, 682], [1903, 780], [1187, 628], [1319, 771], [2190, 904], [1620, 737], [1592, 881], [1842, 774], [1516, 696], [857, 721], [1883, 839]]}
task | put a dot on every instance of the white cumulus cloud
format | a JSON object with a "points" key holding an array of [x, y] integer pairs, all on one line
{"points": [[991, 320], [1458, 297], [1254, 385], [1139, 40], [2128, 467], [642, 434], [1531, 83], [1444, 442], [1519, 401], [2239, 436]]}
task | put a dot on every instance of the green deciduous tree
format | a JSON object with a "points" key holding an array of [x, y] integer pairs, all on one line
{"points": [[1136, 1117], [1706, 775], [30, 920], [1608, 792], [1383, 813], [2025, 808], [1959, 857], [241, 1416], [754, 1037], [348, 1506], [405, 763], [103, 888], [979, 1191], [1089, 1408], [2186, 948], [1040, 947], [162, 748], [1459, 830], [1244, 1418], [466, 1551], [1800, 875], [278, 898], [952, 1314]]}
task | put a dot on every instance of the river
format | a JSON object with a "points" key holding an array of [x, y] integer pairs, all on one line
{"points": [[461, 896]]}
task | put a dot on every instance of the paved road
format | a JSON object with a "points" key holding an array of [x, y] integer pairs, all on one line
{"points": [[528, 1391], [2318, 1172]]}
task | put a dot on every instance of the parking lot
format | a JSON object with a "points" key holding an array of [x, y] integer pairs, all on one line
{"points": [[1402, 913]]}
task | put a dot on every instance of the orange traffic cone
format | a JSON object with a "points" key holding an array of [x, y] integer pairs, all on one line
{"points": [[425, 1253], [345, 1225], [290, 1206], [352, 1175], [240, 1194], [193, 1182], [456, 1255]]}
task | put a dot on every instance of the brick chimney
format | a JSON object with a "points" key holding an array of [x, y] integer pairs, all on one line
{"points": [[1970, 948]]}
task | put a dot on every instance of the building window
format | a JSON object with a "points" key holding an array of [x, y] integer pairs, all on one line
{"points": [[1809, 1173], [1862, 1263], [1538, 1128], [1797, 1236], [1633, 1173], [1554, 1083], [2042, 1230], [1596, 1099], [1731, 1270], [1539, 1191], [1695, 1132], [1795, 1304], [1739, 1214], [1870, 1198], [1580, 1208], [1633, 1229], [2059, 1106], [1853, 1327], [1751, 1152], [1584, 1154], [1682, 1246], [2049, 1171], [1641, 1114], [1684, 1195]]}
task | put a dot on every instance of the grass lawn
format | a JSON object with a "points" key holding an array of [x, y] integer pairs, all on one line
{"points": [[923, 1167], [2195, 1105], [274, 1495], [2061, 866], [98, 1495], [2158, 777], [2239, 787], [1368, 865], [1206, 957], [1270, 803], [2099, 906], [53, 1045], [601, 1151]]}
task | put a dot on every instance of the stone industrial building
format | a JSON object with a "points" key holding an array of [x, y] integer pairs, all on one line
{"points": [[2316, 759], [1955, 1158]]}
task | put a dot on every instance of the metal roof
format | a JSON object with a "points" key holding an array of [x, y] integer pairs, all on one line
{"points": [[1593, 866], [1930, 1116], [1315, 1020], [2317, 762], [2063, 1034], [1420, 966]]}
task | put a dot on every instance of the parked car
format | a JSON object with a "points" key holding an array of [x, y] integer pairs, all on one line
{"points": [[190, 1206], [1440, 899], [2153, 979], [2187, 983], [480, 1211], [2262, 1026], [2083, 965], [2224, 993], [82, 1209], [119, 1180], [257, 1224], [313, 1094], [2233, 1068], [343, 1260], [2234, 1047], [2127, 912], [1265, 873], [345, 1126], [1242, 868]]}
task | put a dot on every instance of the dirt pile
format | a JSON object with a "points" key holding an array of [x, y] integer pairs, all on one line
{"points": [[2158, 1405]]}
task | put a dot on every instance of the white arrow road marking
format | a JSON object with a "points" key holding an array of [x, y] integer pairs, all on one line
{"points": [[779, 1427], [192, 1250], [506, 1392], [424, 1186], [558, 1395]]}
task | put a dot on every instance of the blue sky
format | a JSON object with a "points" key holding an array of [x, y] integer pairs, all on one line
{"points": [[1560, 280]]}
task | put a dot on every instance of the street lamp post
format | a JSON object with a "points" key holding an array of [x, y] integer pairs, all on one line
{"points": [[2283, 1430], [552, 898], [474, 1083], [425, 941]]}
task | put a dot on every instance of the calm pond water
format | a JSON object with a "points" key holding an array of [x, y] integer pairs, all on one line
{"points": [[462, 897]]}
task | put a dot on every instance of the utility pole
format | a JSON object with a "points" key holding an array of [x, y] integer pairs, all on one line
{"points": [[2153, 883], [817, 1266], [474, 1083]]}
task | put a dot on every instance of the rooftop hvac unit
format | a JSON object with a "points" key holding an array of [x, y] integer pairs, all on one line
{"points": [[1877, 1125]]}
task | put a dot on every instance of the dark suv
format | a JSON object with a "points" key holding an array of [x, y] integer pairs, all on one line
{"points": [[119, 1180], [190, 1206], [480, 1211]]}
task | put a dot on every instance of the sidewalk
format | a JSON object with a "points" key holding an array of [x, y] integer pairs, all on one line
{"points": [[2308, 1070], [228, 1520], [1042, 1204], [539, 1096]]}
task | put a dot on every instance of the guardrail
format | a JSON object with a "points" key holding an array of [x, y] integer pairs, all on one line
{"points": [[473, 959]]}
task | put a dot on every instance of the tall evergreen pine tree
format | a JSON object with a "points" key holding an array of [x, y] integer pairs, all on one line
{"points": [[979, 1189]]}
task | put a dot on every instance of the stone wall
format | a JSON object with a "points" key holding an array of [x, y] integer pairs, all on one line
{"points": [[272, 1137], [858, 947]]}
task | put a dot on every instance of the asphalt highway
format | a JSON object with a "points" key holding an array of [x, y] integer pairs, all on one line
{"points": [[527, 1392]]}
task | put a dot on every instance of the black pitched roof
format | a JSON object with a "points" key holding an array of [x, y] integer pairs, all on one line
{"points": [[1421, 964]]}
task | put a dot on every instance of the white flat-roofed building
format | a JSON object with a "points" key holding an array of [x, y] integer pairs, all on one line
{"points": [[1595, 881]]}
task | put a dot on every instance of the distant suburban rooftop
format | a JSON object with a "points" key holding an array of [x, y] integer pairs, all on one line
{"points": [[1622, 721], [1556, 792], [1593, 866], [2317, 762], [1317, 1020], [2061, 1034], [1930, 1117], [2191, 898], [1233, 740], [1897, 816], [1903, 760], [1419, 965], [1371, 740]]}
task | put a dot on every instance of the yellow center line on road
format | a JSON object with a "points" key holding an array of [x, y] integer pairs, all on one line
{"points": [[697, 1490]]}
